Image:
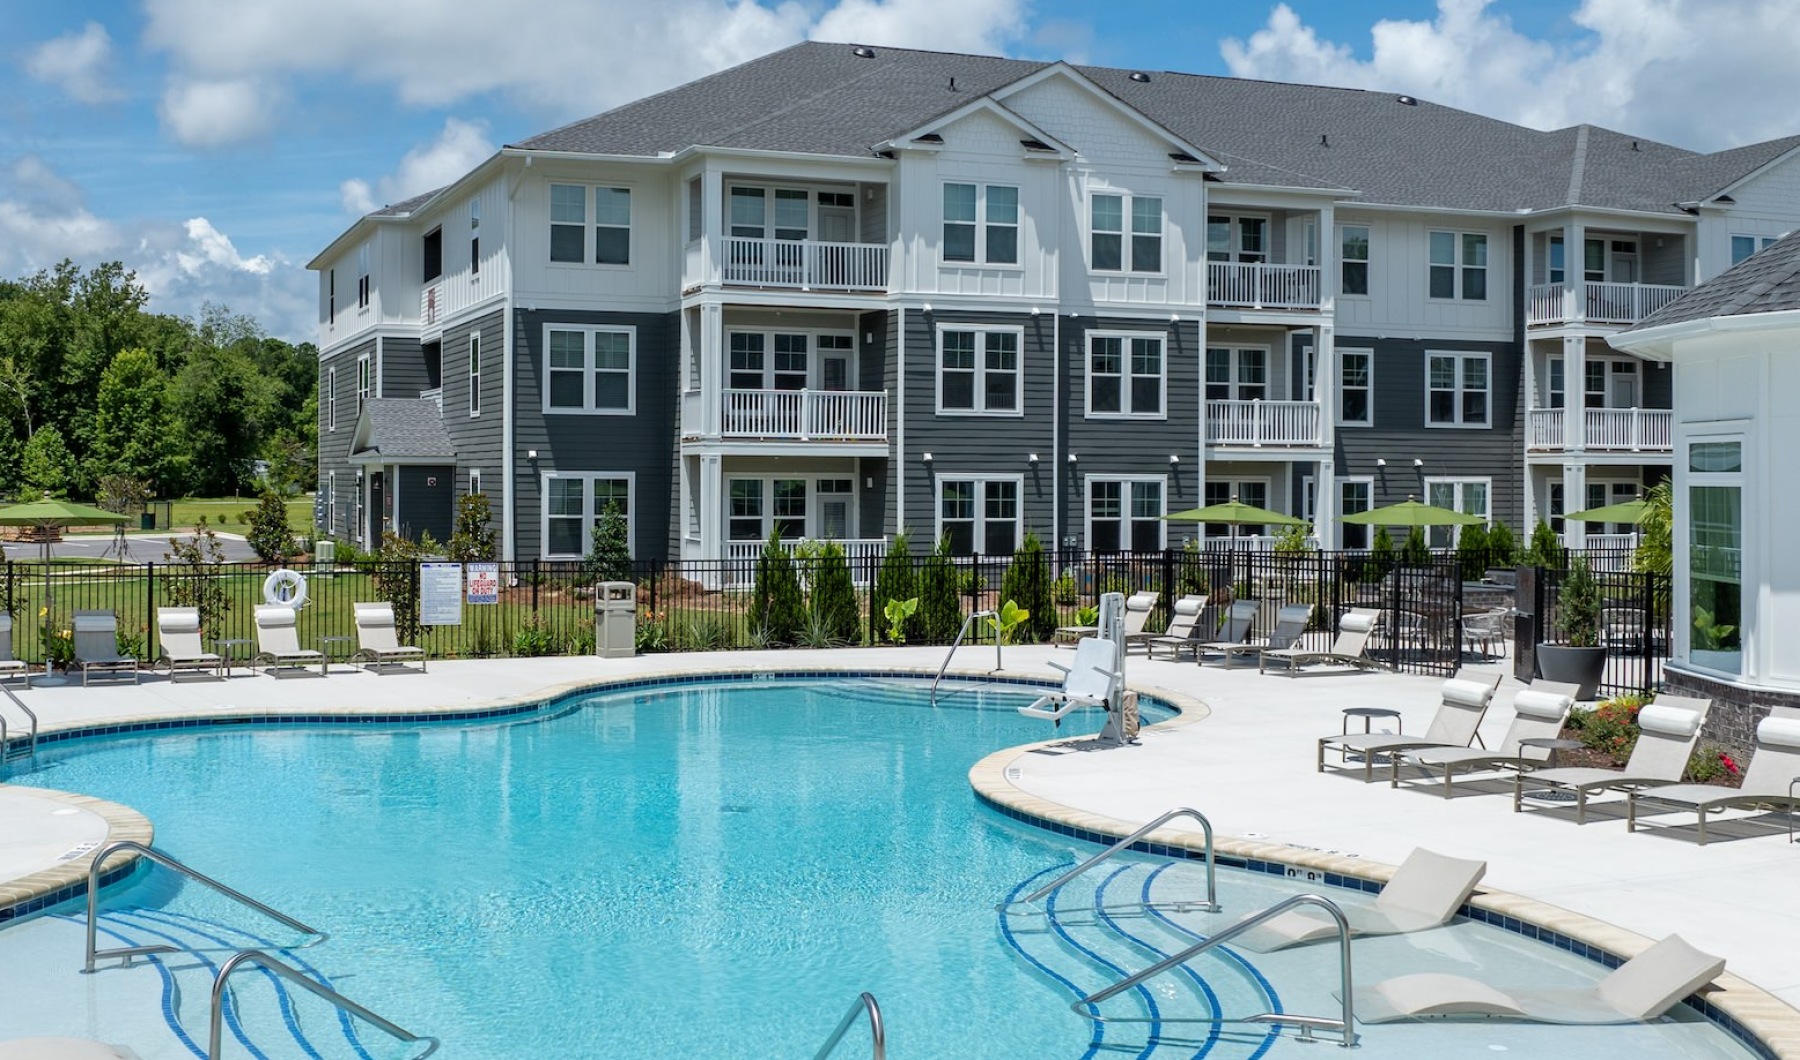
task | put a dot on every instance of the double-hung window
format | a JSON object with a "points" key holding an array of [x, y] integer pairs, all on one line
{"points": [[1353, 259], [981, 224], [1744, 246], [979, 515], [569, 224], [574, 501], [1125, 514], [1126, 374], [1466, 495], [1458, 267], [1113, 217], [474, 237], [331, 297], [980, 371], [589, 369], [1237, 238], [1355, 495], [474, 373], [331, 399], [365, 381], [758, 506], [1458, 391], [330, 503], [1234, 374], [362, 276], [1356, 387]]}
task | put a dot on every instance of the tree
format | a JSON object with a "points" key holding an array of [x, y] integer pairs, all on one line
{"points": [[940, 605], [1382, 550], [1415, 553], [609, 547], [194, 580], [777, 607], [1503, 551], [224, 404], [133, 429], [269, 534], [1545, 551], [833, 599], [1472, 552], [1027, 583], [1655, 550], [46, 464], [474, 540]]}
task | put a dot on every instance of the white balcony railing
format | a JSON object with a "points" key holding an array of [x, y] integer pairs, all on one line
{"points": [[1607, 552], [1605, 430], [803, 415], [1252, 285], [862, 554], [1544, 429], [1602, 303], [1259, 423], [806, 263], [431, 304]]}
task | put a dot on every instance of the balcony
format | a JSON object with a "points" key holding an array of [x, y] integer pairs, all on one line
{"points": [[1601, 303], [790, 415], [1254, 424], [1605, 430], [808, 264], [1262, 286]]}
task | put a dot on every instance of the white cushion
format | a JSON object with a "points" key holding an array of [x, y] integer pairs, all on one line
{"points": [[269, 616], [381, 614], [1542, 704], [178, 619], [1140, 601], [1355, 623], [96, 623], [1189, 605], [1781, 732], [1468, 693], [1669, 721]]}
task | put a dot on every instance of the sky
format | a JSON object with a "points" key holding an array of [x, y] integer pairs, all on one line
{"points": [[214, 146]]}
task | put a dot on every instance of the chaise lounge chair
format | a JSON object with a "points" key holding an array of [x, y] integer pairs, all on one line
{"points": [[1538, 714], [1231, 632], [97, 647], [1773, 778], [1354, 630], [1088, 681], [1641, 989], [1179, 638], [1454, 725], [179, 647], [1425, 892], [1290, 625], [9, 666], [1137, 615], [377, 644], [1667, 732], [278, 642]]}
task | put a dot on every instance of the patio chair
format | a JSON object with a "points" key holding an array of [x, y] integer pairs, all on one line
{"points": [[9, 666], [1667, 732], [1232, 631], [1641, 989], [377, 643], [1290, 625], [1088, 681], [1538, 714], [1179, 637], [97, 647], [278, 642], [1425, 892], [1137, 615], [1485, 630], [1623, 628], [1354, 630], [179, 646], [1458, 717], [1772, 780]]}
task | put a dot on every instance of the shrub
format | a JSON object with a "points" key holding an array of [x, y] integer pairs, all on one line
{"points": [[532, 639], [1191, 578], [1655, 550], [1415, 553], [833, 606], [897, 580], [396, 575], [1472, 552], [1027, 581], [652, 635], [1293, 540], [777, 606], [196, 583], [1381, 554], [706, 633], [269, 535], [1609, 728], [818, 632], [609, 550], [1503, 551], [474, 540], [1578, 606], [1063, 591], [898, 614], [1545, 550], [940, 612]]}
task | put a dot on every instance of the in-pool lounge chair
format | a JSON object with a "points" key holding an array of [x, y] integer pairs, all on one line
{"points": [[1641, 989], [9, 666], [1179, 638], [1425, 892], [278, 642], [62, 1049], [1354, 629], [1088, 681], [1667, 732], [1290, 625], [97, 648], [179, 647], [1538, 714], [377, 643], [1458, 717], [1232, 631], [1772, 779]]}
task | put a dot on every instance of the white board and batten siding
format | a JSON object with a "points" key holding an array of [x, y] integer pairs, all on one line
{"points": [[1764, 209], [648, 284], [394, 262], [1399, 304], [459, 287]]}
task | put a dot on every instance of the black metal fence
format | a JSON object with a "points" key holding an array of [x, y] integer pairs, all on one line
{"points": [[1636, 624]]}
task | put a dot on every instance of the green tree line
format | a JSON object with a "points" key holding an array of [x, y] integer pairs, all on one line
{"points": [[92, 385]]}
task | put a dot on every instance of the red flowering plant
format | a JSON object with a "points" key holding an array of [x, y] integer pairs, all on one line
{"points": [[1610, 728], [1713, 765]]}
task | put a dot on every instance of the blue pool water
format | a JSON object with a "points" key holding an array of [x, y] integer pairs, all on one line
{"points": [[713, 871]]}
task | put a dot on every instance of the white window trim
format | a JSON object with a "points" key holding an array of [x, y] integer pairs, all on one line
{"points": [[1459, 481], [475, 366], [1458, 424], [474, 480], [587, 358], [1338, 483], [589, 516], [1234, 241], [590, 221], [812, 517], [1125, 517], [1087, 233], [814, 355], [1267, 384], [331, 399], [981, 226], [330, 503], [365, 283], [1368, 262], [980, 479], [1339, 382], [980, 409], [1125, 377], [365, 381], [1456, 267]]}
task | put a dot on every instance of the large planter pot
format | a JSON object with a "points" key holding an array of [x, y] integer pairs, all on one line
{"points": [[1576, 666]]}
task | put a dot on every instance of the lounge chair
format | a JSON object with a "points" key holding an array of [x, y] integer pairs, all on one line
{"points": [[278, 642], [1354, 629], [1773, 778], [1538, 714], [1454, 725], [1137, 615], [1641, 989], [9, 666], [97, 647], [377, 644], [1088, 681], [1667, 732], [1425, 892], [1231, 631], [1290, 625], [62, 1049], [179, 646], [1179, 636]]}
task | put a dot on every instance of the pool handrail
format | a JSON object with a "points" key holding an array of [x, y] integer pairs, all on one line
{"points": [[142, 850], [1212, 885], [865, 1002], [215, 1037], [957, 643], [5, 741], [1346, 1024]]}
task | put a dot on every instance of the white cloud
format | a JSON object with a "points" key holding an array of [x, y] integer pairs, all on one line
{"points": [[212, 113], [458, 149], [78, 63], [940, 25], [1697, 73]]}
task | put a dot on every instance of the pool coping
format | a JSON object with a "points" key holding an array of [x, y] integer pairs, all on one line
{"points": [[25, 896]]}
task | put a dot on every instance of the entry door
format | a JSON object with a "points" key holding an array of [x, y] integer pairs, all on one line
{"points": [[837, 224], [1623, 384], [835, 353]]}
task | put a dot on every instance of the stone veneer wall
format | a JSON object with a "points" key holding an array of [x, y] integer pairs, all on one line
{"points": [[1736, 711]]}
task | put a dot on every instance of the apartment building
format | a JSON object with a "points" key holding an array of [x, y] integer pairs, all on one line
{"points": [[844, 291]]}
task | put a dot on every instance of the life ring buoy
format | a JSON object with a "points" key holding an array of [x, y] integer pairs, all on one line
{"points": [[285, 588]]}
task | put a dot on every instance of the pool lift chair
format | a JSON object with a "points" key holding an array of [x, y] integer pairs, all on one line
{"points": [[1094, 678]]}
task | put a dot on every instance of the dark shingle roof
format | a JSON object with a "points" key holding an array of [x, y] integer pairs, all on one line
{"points": [[405, 206], [1766, 282], [404, 429]]}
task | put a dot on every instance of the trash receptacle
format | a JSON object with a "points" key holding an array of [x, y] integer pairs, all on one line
{"points": [[146, 520], [615, 620]]}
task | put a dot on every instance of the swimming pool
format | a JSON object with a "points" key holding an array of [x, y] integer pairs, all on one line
{"points": [[715, 870]]}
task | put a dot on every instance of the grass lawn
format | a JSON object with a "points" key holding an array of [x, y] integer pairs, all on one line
{"points": [[224, 513]]}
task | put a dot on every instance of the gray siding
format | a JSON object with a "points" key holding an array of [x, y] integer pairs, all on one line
{"points": [[334, 446], [479, 440], [426, 502], [402, 369]]}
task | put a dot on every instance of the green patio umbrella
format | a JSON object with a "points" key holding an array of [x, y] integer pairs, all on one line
{"points": [[1411, 513], [1623, 512], [1235, 513]]}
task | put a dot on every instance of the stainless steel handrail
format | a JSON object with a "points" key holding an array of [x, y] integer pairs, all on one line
{"points": [[1212, 884], [215, 1031], [878, 1035], [128, 952], [957, 643], [1346, 1025], [29, 713]]}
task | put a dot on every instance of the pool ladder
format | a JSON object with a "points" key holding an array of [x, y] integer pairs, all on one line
{"points": [[5, 742], [865, 1003], [957, 643]]}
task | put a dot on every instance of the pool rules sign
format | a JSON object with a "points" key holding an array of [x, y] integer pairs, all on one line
{"points": [[440, 594]]}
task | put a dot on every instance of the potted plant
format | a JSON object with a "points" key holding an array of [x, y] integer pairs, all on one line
{"points": [[1577, 658]]}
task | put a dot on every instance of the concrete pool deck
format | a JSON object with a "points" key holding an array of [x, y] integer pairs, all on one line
{"points": [[1248, 764]]}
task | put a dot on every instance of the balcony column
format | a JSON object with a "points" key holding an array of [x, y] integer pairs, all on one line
{"points": [[1325, 525], [1574, 351], [712, 507], [1574, 272], [712, 213], [1327, 262], [712, 367], [1325, 382], [1574, 498]]}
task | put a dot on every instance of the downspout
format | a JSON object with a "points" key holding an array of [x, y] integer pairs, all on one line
{"points": [[1056, 419], [508, 515], [900, 424]]}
